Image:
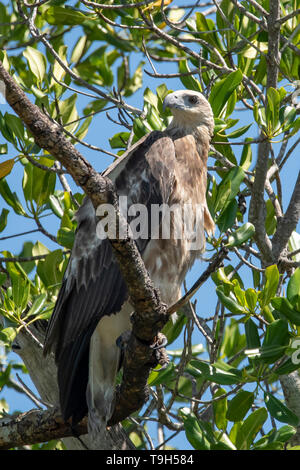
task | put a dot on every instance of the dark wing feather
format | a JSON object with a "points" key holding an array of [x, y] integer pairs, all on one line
{"points": [[93, 285]]}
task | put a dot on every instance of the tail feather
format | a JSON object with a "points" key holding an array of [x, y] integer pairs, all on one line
{"points": [[103, 367]]}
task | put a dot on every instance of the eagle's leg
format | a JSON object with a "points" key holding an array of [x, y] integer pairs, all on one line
{"points": [[103, 366]]}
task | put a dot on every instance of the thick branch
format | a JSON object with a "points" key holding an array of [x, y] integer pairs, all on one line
{"points": [[150, 313], [36, 426], [291, 389], [288, 223], [257, 207]]}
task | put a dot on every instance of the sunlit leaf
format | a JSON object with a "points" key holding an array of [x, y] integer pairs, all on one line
{"points": [[239, 405], [279, 411], [36, 61], [6, 167]]}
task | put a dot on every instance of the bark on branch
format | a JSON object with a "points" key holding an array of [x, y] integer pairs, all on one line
{"points": [[36, 426], [150, 313]]}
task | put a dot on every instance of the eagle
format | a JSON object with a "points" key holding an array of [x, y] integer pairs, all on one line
{"points": [[163, 168]]}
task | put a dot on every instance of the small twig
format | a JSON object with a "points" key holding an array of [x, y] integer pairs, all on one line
{"points": [[58, 171], [293, 253], [116, 7], [44, 231], [90, 146], [19, 234], [244, 260], [212, 267], [288, 16], [37, 401], [143, 431], [201, 325]]}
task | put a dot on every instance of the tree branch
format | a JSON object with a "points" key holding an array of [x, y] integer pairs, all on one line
{"points": [[257, 205], [36, 426], [150, 313], [287, 224]]}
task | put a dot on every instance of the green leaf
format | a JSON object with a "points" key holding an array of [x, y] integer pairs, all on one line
{"points": [[236, 176], [78, 49], [252, 335], [215, 374], [58, 71], [291, 364], [7, 335], [222, 90], [65, 15], [27, 253], [238, 132], [37, 305], [229, 303], [3, 219], [271, 219], [11, 198], [5, 130], [3, 149], [246, 157], [279, 411], [105, 71], [36, 61], [38, 184], [275, 439], [84, 128], [19, 291], [284, 433], [286, 308], [273, 104], [15, 125], [220, 409], [39, 249], [65, 237], [208, 30], [241, 235], [229, 188], [50, 270], [233, 341], [223, 194], [251, 298], [3, 278], [119, 140], [270, 288], [68, 112], [250, 428], [56, 205], [195, 431], [275, 341], [287, 116], [293, 290], [227, 217], [189, 81], [135, 82], [166, 376], [173, 328], [239, 405], [294, 244]]}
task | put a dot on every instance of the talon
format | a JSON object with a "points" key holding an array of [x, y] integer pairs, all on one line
{"points": [[161, 368], [122, 340], [161, 342]]}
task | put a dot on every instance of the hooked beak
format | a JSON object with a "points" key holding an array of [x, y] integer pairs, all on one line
{"points": [[171, 101]]}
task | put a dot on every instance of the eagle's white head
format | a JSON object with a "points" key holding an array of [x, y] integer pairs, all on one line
{"points": [[190, 110]]}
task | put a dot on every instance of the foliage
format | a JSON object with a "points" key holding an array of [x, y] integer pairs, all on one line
{"points": [[256, 322]]}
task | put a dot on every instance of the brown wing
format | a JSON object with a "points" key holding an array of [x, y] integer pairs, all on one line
{"points": [[93, 285]]}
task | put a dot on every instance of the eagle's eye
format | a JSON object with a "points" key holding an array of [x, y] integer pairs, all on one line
{"points": [[193, 99]]}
